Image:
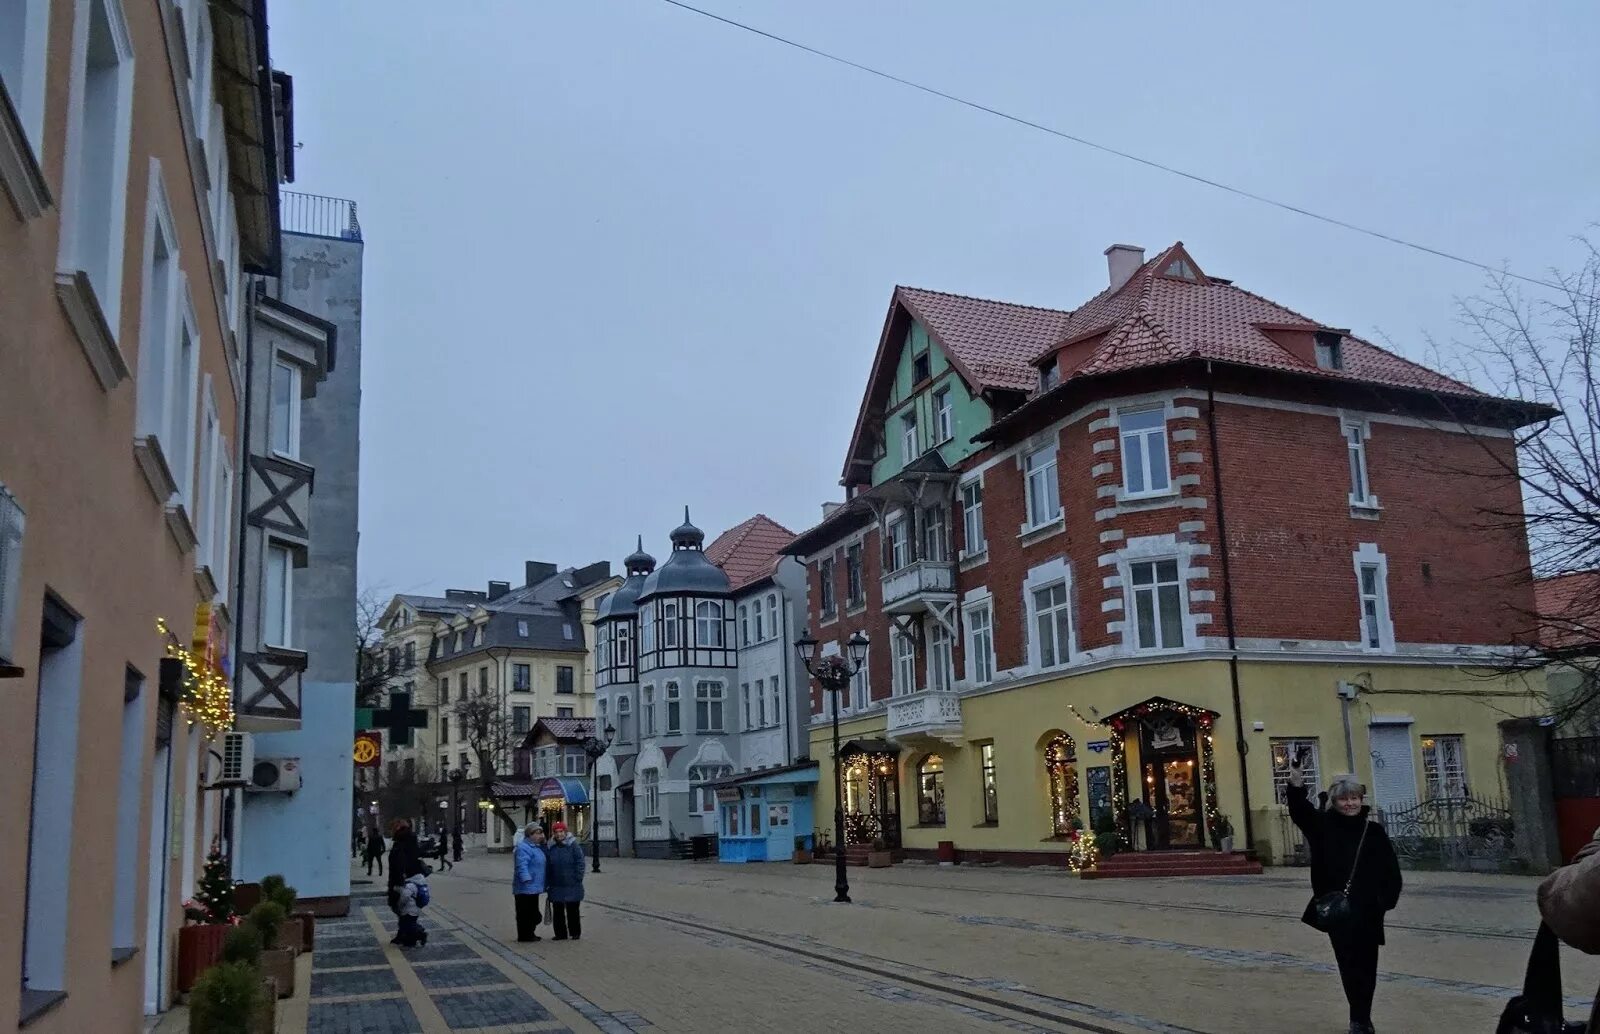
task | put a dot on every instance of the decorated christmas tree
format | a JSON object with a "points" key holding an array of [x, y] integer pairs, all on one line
{"points": [[215, 893]]}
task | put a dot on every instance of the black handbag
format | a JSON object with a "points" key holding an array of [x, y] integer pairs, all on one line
{"points": [[1332, 912]]}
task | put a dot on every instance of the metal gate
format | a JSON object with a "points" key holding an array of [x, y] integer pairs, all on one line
{"points": [[1462, 834]]}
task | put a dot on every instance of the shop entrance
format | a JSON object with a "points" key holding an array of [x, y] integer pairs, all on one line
{"points": [[1176, 793]]}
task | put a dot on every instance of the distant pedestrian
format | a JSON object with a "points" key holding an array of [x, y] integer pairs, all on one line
{"points": [[374, 850], [455, 843], [564, 883], [1355, 879], [442, 848], [528, 881], [358, 844]]}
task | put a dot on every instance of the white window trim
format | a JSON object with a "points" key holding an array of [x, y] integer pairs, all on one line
{"points": [[1030, 523], [944, 416], [288, 595], [183, 447], [1170, 489], [908, 436], [967, 552], [1369, 501], [1142, 550], [941, 676], [207, 503], [70, 259], [899, 684], [977, 599], [296, 391], [1038, 578], [28, 93], [158, 348], [1367, 554], [720, 697], [1130, 609]]}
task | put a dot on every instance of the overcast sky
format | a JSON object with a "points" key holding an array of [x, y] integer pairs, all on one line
{"points": [[620, 257]]}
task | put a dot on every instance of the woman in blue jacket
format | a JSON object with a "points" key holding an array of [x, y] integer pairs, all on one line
{"points": [[528, 881], [566, 883]]}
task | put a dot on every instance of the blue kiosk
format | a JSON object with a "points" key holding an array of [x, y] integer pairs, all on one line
{"points": [[761, 814]]}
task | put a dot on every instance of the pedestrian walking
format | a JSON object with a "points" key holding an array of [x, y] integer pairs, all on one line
{"points": [[564, 883], [528, 881], [1355, 879], [1569, 903], [412, 898], [405, 861], [358, 844], [374, 850], [455, 842], [442, 848]]}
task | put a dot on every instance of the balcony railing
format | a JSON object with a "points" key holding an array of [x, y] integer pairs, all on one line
{"points": [[317, 216], [918, 578], [928, 713]]}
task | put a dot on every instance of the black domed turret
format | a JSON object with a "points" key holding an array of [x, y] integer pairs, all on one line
{"points": [[686, 572], [686, 535], [639, 562], [620, 604]]}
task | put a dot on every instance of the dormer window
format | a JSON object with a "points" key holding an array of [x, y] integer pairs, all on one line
{"points": [[522, 629], [1330, 353], [1180, 269], [921, 368], [1049, 377]]}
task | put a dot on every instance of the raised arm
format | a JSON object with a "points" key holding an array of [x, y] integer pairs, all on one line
{"points": [[1300, 809]]}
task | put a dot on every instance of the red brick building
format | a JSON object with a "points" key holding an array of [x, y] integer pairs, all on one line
{"points": [[1147, 548]]}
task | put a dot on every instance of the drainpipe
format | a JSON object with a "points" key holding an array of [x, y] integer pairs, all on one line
{"points": [[788, 697], [1227, 603], [230, 829]]}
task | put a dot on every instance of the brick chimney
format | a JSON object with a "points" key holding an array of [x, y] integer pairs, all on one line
{"points": [[1122, 261]]}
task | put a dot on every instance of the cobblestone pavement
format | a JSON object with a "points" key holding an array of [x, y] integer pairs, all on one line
{"points": [[678, 946]]}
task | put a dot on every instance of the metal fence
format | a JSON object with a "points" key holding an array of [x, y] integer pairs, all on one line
{"points": [[1459, 834], [317, 216]]}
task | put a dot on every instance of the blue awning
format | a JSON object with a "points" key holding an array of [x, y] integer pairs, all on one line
{"points": [[571, 790]]}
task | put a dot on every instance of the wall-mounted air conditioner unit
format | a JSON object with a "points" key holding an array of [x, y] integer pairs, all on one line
{"points": [[275, 775], [238, 758]]}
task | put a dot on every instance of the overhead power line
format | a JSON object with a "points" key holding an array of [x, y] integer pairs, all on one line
{"points": [[1107, 149]]}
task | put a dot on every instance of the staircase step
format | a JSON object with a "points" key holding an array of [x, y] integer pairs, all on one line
{"points": [[1241, 867]]}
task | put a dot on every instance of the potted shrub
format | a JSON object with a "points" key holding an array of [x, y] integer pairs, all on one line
{"points": [[300, 928], [1107, 844], [1222, 834], [802, 853], [879, 857], [227, 999], [276, 962]]}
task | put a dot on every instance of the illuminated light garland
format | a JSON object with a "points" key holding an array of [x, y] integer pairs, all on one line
{"points": [[207, 697], [1060, 765], [1203, 720], [1082, 853]]}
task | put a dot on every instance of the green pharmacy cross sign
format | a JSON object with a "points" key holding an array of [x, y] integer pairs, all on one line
{"points": [[399, 719]]}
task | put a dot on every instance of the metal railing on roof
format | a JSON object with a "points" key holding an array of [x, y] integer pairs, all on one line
{"points": [[318, 216]]}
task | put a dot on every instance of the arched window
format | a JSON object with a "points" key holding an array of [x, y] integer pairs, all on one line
{"points": [[772, 613], [1061, 766], [623, 647], [708, 624], [930, 791], [669, 624]]}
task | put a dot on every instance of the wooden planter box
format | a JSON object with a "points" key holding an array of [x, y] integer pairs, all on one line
{"points": [[199, 948], [297, 932], [802, 858], [880, 859], [278, 964]]}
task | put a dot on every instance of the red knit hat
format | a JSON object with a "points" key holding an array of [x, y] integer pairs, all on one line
{"points": [[559, 827]]}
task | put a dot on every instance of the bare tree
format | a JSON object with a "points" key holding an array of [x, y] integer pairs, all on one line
{"points": [[408, 792], [373, 673], [486, 727], [1545, 350]]}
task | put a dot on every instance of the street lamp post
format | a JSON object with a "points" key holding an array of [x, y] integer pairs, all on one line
{"points": [[834, 674], [456, 775], [596, 749]]}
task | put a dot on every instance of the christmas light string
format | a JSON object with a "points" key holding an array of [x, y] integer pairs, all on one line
{"points": [[207, 697]]}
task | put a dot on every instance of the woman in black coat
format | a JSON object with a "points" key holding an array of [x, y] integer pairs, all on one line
{"points": [[1350, 852], [405, 861]]}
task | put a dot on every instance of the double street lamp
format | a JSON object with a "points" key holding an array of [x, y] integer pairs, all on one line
{"points": [[834, 673], [596, 749]]}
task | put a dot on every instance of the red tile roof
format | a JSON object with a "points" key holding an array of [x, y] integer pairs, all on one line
{"points": [[567, 729], [1569, 609], [1155, 319], [748, 552], [991, 343]]}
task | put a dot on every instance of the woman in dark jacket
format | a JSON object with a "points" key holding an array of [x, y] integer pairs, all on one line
{"points": [[405, 861], [564, 883], [1351, 853]]}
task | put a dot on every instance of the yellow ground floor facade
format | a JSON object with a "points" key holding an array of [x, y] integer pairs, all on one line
{"points": [[1151, 751]]}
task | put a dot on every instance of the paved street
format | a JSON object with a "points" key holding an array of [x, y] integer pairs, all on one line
{"points": [[697, 947]]}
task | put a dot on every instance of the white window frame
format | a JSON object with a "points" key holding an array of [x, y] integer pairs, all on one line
{"points": [[1437, 783], [185, 413], [1043, 577], [624, 718], [214, 503], [24, 73], [899, 538], [744, 624], [1282, 750], [1145, 441], [647, 710], [1368, 556], [903, 671], [772, 615], [744, 690], [1356, 435], [158, 321], [673, 694], [286, 589], [295, 388], [669, 624], [827, 592], [650, 781], [941, 658], [712, 693], [775, 712], [943, 415], [974, 542], [861, 684], [1041, 484], [978, 618], [761, 703], [936, 533], [94, 241], [908, 435], [760, 623], [1133, 591], [710, 620]]}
